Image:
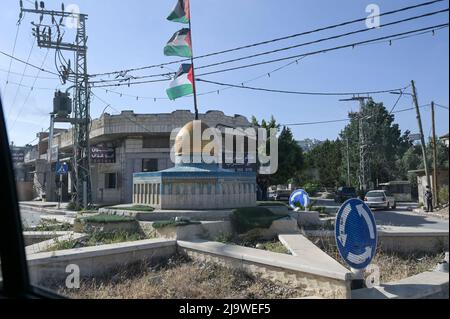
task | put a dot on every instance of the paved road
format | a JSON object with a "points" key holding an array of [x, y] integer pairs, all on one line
{"points": [[401, 216]]}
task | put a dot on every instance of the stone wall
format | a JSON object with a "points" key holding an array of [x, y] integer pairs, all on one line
{"points": [[97, 261], [273, 267]]}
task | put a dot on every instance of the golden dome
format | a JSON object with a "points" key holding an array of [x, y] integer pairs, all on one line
{"points": [[182, 147]]}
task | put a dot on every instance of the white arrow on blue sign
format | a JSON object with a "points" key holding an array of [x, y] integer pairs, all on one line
{"points": [[299, 196], [356, 233], [62, 168]]}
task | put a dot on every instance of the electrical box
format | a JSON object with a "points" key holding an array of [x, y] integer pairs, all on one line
{"points": [[62, 105]]}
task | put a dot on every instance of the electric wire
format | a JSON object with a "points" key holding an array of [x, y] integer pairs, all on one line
{"points": [[272, 40]]}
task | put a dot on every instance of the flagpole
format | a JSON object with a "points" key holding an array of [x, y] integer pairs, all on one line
{"points": [[193, 69]]}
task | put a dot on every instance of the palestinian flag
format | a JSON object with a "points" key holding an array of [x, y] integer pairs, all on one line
{"points": [[182, 84], [179, 44], [180, 12]]}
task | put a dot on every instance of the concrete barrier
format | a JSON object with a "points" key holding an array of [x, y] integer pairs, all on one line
{"points": [[401, 239], [426, 285], [220, 214], [48, 244], [96, 261], [33, 237], [282, 268], [205, 230]]}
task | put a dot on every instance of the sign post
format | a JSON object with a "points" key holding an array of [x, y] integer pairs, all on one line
{"points": [[61, 169], [356, 237], [299, 197]]}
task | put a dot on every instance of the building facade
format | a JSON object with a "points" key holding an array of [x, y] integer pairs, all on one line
{"points": [[121, 145]]}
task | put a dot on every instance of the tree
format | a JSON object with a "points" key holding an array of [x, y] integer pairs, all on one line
{"points": [[290, 156], [384, 143], [326, 158]]}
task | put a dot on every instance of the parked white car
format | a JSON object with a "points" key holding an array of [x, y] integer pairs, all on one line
{"points": [[380, 199]]}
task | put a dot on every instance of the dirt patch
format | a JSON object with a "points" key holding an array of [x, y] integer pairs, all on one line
{"points": [[181, 278], [393, 266]]}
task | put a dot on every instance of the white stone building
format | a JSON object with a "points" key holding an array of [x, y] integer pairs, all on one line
{"points": [[123, 144]]}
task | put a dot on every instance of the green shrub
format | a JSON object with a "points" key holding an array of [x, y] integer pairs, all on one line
{"points": [[311, 188], [247, 218], [135, 208], [71, 206], [172, 223], [104, 218], [271, 203], [104, 238], [443, 194]]}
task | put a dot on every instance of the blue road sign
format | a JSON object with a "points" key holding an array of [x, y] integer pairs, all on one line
{"points": [[62, 168], [356, 233], [299, 196]]}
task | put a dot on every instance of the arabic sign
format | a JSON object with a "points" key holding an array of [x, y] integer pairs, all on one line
{"points": [[356, 233], [103, 154], [414, 137], [18, 155], [299, 196]]}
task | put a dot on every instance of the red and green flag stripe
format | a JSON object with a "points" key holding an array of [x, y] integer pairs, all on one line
{"points": [[182, 84], [180, 12], [179, 44]]}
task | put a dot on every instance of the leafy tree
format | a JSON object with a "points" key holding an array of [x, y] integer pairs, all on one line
{"points": [[290, 156], [327, 159], [384, 143]]}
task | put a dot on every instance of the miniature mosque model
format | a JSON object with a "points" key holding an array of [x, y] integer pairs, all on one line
{"points": [[194, 186]]}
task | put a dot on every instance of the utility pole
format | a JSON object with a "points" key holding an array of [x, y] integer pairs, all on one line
{"points": [[435, 183], [422, 137], [348, 165], [45, 35], [362, 176]]}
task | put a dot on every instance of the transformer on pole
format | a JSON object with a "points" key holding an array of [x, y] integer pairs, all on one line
{"points": [[51, 37]]}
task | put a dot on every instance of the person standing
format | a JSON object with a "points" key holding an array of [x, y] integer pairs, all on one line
{"points": [[429, 199]]}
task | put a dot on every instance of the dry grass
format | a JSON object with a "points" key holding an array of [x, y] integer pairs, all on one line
{"points": [[181, 278], [393, 266]]}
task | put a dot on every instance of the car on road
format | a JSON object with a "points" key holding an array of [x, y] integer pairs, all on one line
{"points": [[282, 195], [380, 199], [343, 193]]}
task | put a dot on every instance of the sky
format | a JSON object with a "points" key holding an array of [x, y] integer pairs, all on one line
{"points": [[132, 33]]}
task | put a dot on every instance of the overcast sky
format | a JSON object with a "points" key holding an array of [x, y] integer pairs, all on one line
{"points": [[132, 33]]}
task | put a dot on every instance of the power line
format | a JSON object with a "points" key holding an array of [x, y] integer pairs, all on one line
{"points": [[351, 45], [441, 106], [323, 39], [29, 64], [31, 87], [272, 40], [265, 74], [12, 53], [29, 75], [344, 120], [280, 49], [300, 92], [29, 93], [21, 79]]}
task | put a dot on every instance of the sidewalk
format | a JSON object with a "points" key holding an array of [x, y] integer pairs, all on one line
{"points": [[441, 213], [46, 207]]}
